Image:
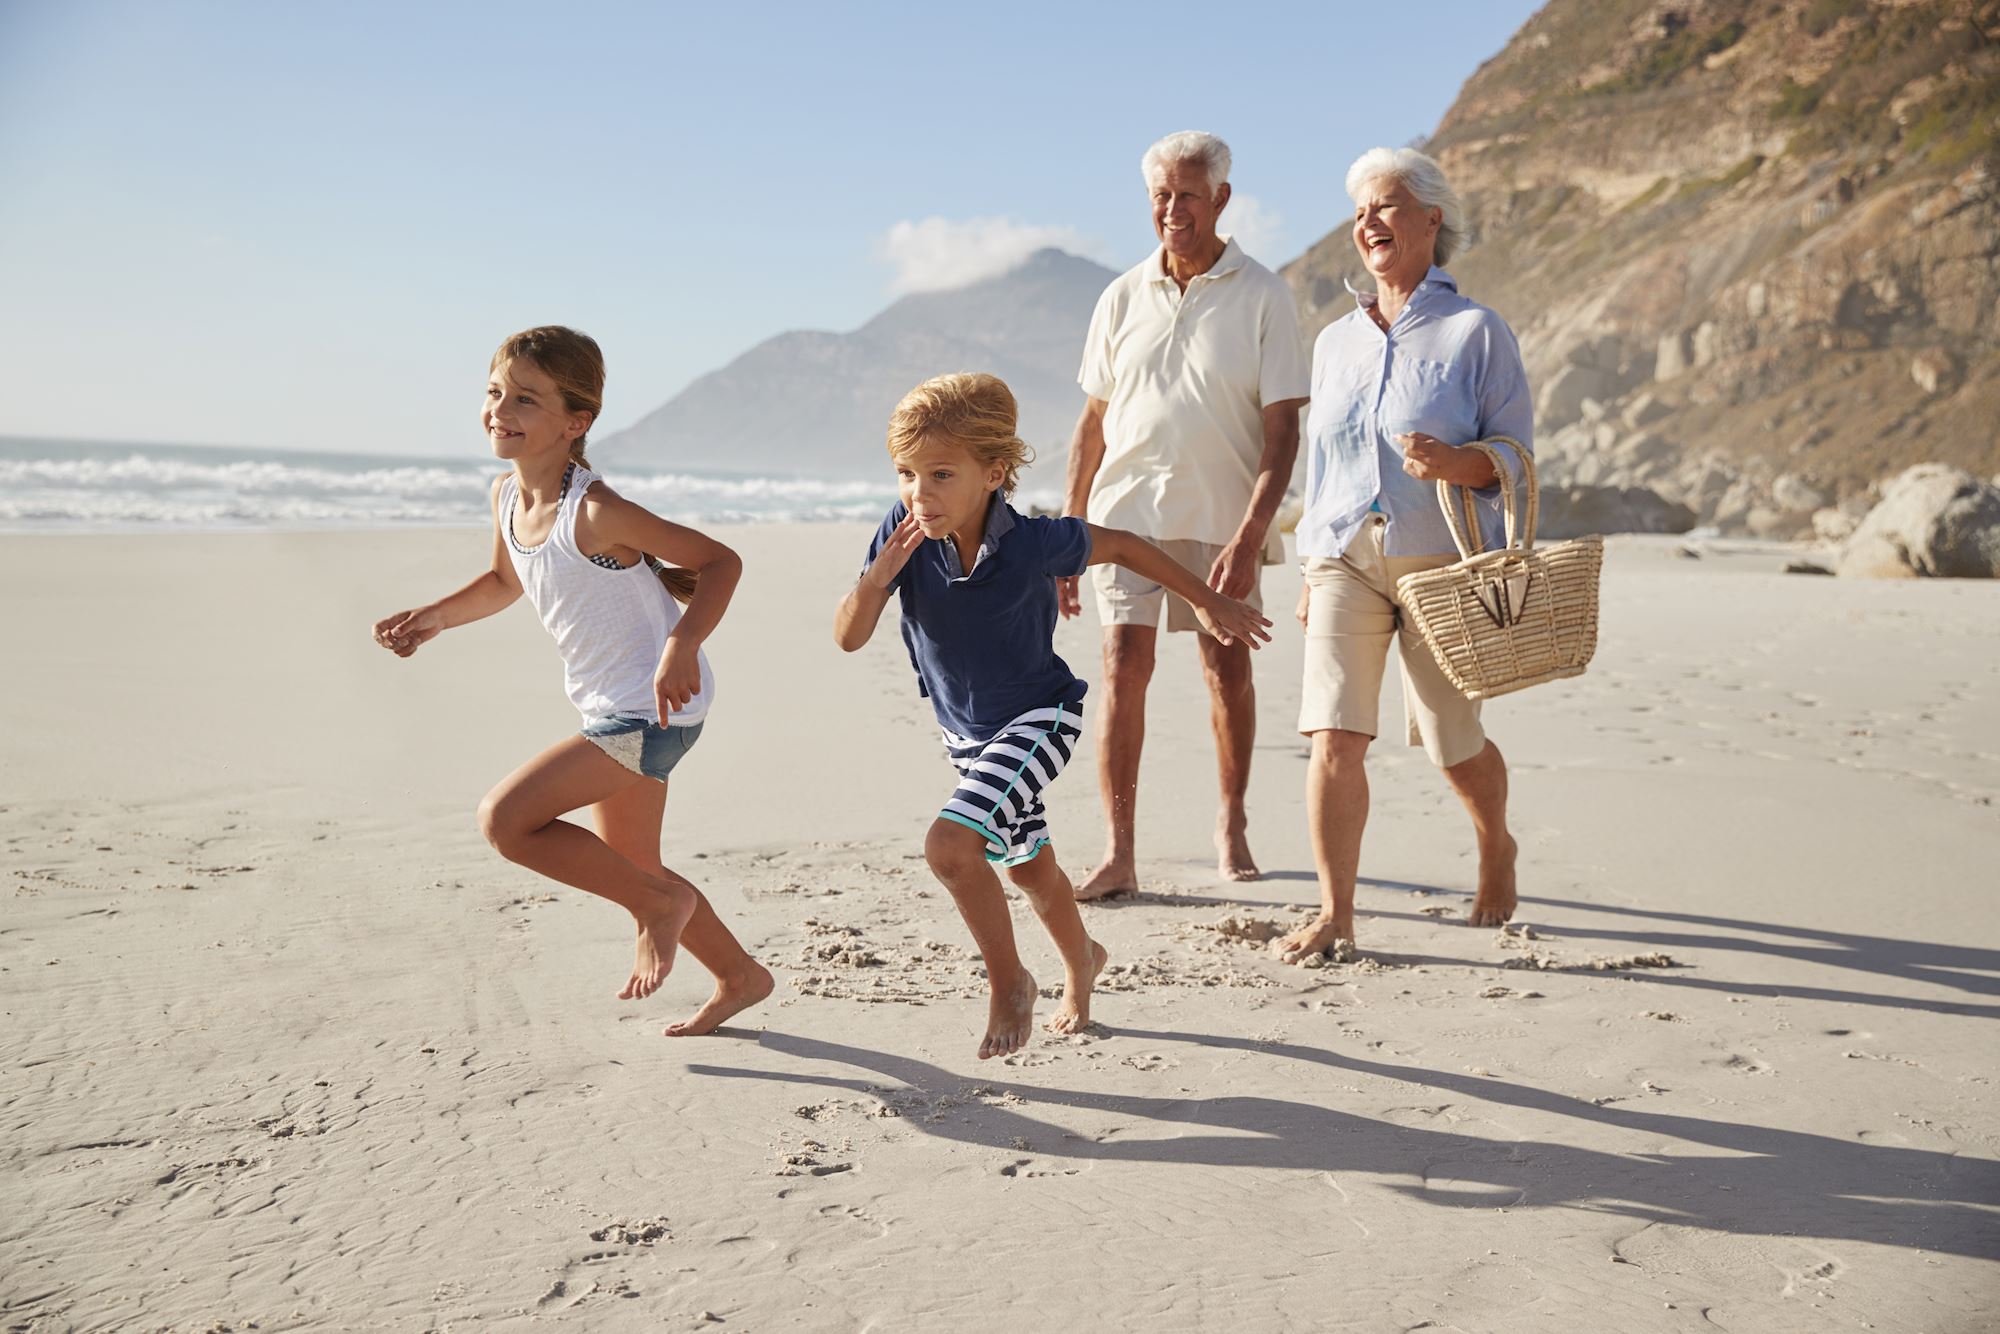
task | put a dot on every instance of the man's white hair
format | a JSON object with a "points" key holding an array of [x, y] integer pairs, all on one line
{"points": [[1188, 146], [1426, 180]]}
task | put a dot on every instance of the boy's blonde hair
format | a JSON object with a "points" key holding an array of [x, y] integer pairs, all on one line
{"points": [[968, 408]]}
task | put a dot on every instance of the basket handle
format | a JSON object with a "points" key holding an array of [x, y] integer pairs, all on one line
{"points": [[1460, 516]]}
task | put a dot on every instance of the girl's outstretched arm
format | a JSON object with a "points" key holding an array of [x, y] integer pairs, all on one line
{"points": [[1223, 617], [607, 521], [854, 620], [404, 632]]}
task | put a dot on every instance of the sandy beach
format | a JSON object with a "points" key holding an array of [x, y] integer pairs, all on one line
{"points": [[288, 1047]]}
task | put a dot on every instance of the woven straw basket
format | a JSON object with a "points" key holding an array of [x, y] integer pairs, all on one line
{"points": [[1500, 621]]}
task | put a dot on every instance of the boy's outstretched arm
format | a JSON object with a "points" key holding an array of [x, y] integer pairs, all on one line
{"points": [[404, 632], [1225, 618], [854, 620]]}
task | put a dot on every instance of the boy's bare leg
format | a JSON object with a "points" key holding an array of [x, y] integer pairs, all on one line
{"points": [[1232, 709], [630, 823], [1481, 783], [957, 857], [1121, 736], [519, 818], [1336, 812], [1054, 901]]}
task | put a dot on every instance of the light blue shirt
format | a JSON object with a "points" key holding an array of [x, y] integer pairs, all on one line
{"points": [[1448, 367]]}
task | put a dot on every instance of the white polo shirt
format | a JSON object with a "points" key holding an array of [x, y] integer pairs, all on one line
{"points": [[1187, 375]]}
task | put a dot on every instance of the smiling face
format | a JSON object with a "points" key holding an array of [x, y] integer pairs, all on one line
{"points": [[1186, 210], [945, 486], [525, 415], [1395, 235]]}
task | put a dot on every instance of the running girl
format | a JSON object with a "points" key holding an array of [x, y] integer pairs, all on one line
{"points": [[591, 562]]}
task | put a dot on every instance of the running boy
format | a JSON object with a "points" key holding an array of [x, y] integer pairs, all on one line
{"points": [[977, 583]]}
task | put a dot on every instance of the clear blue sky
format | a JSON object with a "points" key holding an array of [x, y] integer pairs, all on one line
{"points": [[306, 225]]}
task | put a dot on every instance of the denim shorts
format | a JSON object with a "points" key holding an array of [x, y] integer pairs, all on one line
{"points": [[646, 748]]}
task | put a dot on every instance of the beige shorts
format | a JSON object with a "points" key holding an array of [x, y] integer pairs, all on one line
{"points": [[1125, 598], [1351, 615]]}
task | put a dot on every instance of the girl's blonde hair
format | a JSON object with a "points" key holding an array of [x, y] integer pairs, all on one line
{"points": [[967, 408], [575, 362]]}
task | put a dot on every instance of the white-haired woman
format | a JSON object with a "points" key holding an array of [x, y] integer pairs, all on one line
{"points": [[1399, 385]]}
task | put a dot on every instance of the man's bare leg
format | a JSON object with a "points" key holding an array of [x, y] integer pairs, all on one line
{"points": [[1336, 812], [1481, 783], [957, 856], [1054, 901], [1232, 712], [630, 823], [1121, 736], [519, 818]]}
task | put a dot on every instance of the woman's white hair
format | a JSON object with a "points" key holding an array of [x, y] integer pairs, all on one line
{"points": [[1426, 180], [1188, 146]]}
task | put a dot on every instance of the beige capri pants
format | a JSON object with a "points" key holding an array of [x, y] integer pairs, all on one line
{"points": [[1351, 615]]}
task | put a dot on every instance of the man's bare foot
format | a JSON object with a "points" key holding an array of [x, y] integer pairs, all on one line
{"points": [[1322, 935], [1232, 857], [1073, 1015], [659, 937], [1116, 876], [1009, 1016], [1494, 903], [733, 995]]}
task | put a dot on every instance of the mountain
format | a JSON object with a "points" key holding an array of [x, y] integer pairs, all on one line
{"points": [[818, 403], [1751, 248]]}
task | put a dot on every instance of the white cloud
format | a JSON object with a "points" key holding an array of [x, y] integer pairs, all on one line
{"points": [[939, 253], [1259, 230]]}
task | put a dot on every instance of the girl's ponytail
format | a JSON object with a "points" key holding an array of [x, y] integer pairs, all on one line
{"points": [[679, 582]]}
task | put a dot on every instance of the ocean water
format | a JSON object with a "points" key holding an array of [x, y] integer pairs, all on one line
{"points": [[69, 486]]}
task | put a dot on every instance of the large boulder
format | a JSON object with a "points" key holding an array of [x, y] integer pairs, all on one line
{"points": [[1934, 520], [1572, 511]]}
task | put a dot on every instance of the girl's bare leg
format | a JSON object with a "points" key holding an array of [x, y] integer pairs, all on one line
{"points": [[957, 857], [520, 819], [1054, 900], [629, 822]]}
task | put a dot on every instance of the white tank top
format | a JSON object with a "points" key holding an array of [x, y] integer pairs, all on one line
{"points": [[610, 625]]}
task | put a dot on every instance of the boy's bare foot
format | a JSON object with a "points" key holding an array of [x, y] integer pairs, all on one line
{"points": [[1009, 1016], [1495, 903], [1073, 1015], [1322, 935], [1116, 876], [659, 937], [733, 995], [1232, 856]]}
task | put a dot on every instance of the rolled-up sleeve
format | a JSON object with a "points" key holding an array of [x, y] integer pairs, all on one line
{"points": [[1505, 405]]}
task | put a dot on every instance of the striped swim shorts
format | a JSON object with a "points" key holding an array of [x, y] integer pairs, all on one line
{"points": [[1000, 780]]}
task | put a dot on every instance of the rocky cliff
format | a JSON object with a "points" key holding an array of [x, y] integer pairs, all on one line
{"points": [[1752, 249]]}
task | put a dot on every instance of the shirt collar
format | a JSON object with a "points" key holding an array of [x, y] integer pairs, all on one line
{"points": [[1231, 259], [999, 522], [1436, 278]]}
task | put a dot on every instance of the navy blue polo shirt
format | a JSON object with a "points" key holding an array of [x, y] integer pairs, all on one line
{"points": [[983, 642]]}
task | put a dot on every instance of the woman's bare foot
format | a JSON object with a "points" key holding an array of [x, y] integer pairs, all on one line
{"points": [[1010, 1013], [1116, 876], [1322, 935], [733, 995], [1232, 856], [1494, 903], [659, 937], [1073, 1015]]}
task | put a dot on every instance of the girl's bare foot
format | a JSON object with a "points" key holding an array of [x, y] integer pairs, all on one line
{"points": [[659, 937], [732, 996], [1010, 1013], [1495, 903], [1073, 1015], [1322, 935]]}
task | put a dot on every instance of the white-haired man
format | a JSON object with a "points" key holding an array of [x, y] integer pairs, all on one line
{"points": [[1194, 375]]}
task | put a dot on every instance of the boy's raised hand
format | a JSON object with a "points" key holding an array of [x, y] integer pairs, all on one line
{"points": [[406, 631], [895, 553], [1233, 622]]}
